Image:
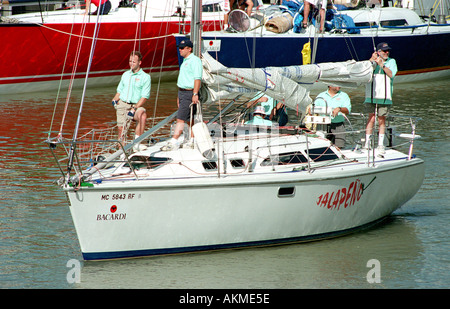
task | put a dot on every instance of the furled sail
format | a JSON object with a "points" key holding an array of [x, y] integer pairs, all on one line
{"points": [[290, 85]]}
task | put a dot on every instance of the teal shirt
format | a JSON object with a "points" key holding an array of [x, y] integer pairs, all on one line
{"points": [[268, 106], [340, 99], [392, 65], [190, 70], [134, 86], [258, 120]]}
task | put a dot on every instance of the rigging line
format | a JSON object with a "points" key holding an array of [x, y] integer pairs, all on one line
{"points": [[435, 6], [371, 30], [75, 133], [347, 38], [160, 69], [72, 77], [165, 37], [137, 34], [101, 39], [159, 83], [60, 83]]}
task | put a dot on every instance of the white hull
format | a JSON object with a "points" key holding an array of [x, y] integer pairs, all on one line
{"points": [[182, 215]]}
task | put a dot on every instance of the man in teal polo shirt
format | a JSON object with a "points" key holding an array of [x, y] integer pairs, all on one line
{"points": [[258, 118], [189, 82], [132, 93], [339, 101]]}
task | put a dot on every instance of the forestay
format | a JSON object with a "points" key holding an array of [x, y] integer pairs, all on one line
{"points": [[290, 85]]}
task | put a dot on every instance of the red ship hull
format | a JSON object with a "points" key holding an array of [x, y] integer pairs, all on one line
{"points": [[33, 56]]}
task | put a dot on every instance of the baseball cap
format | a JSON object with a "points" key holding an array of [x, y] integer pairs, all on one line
{"points": [[185, 43], [259, 110], [383, 46]]}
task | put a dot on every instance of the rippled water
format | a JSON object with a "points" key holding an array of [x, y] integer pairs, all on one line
{"points": [[37, 237]]}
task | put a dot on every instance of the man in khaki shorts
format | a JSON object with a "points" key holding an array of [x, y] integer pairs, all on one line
{"points": [[379, 93], [132, 93]]}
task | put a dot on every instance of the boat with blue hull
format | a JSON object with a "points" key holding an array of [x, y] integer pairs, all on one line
{"points": [[421, 49]]}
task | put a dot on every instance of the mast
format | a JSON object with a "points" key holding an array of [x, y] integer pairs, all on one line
{"points": [[77, 125], [196, 26]]}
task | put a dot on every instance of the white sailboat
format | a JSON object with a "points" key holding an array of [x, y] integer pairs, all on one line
{"points": [[255, 186]]}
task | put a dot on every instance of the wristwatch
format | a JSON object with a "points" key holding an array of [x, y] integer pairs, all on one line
{"points": [[195, 94]]}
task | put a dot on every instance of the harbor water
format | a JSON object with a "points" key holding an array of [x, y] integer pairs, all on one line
{"points": [[39, 246]]}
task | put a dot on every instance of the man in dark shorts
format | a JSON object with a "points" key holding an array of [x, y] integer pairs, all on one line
{"points": [[189, 82]]}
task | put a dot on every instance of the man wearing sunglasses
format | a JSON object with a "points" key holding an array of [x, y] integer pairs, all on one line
{"points": [[379, 92], [189, 82]]}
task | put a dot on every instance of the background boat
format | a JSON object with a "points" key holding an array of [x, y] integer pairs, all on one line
{"points": [[39, 49], [421, 48]]}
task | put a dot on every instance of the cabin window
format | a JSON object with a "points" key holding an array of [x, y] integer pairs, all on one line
{"points": [[284, 159], [321, 154], [215, 7], [140, 162], [237, 163], [286, 192], [210, 165], [365, 24], [395, 22]]}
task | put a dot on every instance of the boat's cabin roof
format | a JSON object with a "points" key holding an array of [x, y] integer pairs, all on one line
{"points": [[389, 17]]}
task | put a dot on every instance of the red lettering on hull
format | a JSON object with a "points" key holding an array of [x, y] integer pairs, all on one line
{"points": [[345, 197]]}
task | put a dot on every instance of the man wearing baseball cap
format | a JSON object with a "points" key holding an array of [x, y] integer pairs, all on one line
{"points": [[189, 82], [379, 92], [258, 117]]}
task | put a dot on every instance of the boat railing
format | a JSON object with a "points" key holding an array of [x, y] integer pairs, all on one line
{"points": [[400, 131], [94, 148], [84, 157]]}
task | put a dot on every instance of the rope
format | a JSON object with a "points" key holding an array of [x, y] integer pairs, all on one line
{"points": [[102, 39], [160, 70], [60, 84], [77, 56]]}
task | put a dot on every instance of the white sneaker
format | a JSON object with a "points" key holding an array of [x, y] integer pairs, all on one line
{"points": [[169, 147], [139, 147], [381, 149], [189, 144]]}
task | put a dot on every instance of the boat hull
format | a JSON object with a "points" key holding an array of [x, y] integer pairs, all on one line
{"points": [[33, 56], [152, 217], [418, 56]]}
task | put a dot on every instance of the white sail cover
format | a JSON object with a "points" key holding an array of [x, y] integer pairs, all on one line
{"points": [[290, 85]]}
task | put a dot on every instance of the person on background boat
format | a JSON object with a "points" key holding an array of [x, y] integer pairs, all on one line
{"points": [[103, 7], [189, 82], [244, 5], [230, 5], [307, 9], [258, 117], [226, 9], [340, 102], [379, 92], [132, 93]]}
